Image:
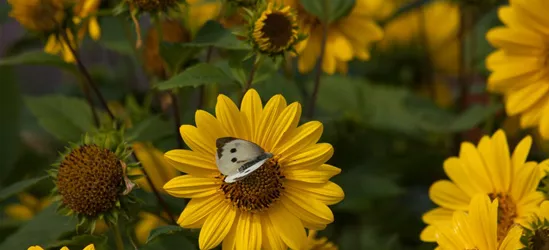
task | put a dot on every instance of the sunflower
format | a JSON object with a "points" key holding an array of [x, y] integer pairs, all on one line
{"points": [[314, 243], [487, 169], [88, 23], [434, 26], [477, 229], [198, 12], [273, 29], [343, 41], [28, 207], [519, 65], [146, 224], [272, 206], [38, 15], [536, 234], [88, 247]]}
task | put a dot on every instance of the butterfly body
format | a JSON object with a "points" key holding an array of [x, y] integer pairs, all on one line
{"points": [[237, 158]]}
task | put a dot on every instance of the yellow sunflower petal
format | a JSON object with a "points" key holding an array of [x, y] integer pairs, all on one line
{"points": [[528, 204], [197, 141], [271, 239], [18, 212], [497, 173], [216, 226], [512, 239], [229, 116], [248, 231], [428, 234], [288, 226], [475, 166], [485, 232], [300, 138], [447, 194], [270, 114], [544, 122], [527, 179], [438, 214], [35, 248], [447, 237], [188, 186], [504, 38], [521, 153], [287, 121], [229, 243], [89, 247], [314, 214], [192, 163], [310, 158], [94, 29], [196, 211], [320, 175], [329, 193], [521, 99], [209, 127], [456, 171], [251, 109]]}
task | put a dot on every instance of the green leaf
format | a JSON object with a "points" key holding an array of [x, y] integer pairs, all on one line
{"points": [[115, 35], [214, 34], [170, 229], [46, 227], [150, 129], [328, 9], [19, 187], [37, 58], [171, 237], [176, 55], [197, 75], [67, 118], [10, 103]]}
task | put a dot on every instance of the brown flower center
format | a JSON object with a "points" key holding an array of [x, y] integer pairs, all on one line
{"points": [[540, 239], [278, 29], [507, 212], [90, 180], [257, 191]]}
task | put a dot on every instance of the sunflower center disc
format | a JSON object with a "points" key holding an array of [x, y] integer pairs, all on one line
{"points": [[540, 239], [507, 212], [90, 179], [278, 29], [257, 191]]}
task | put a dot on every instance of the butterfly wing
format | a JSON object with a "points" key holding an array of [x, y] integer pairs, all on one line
{"points": [[248, 168], [233, 153]]}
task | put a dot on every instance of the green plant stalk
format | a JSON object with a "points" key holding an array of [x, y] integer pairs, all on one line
{"points": [[320, 61], [255, 66], [117, 237]]}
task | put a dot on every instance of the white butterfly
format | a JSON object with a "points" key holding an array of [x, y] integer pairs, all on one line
{"points": [[237, 158]]}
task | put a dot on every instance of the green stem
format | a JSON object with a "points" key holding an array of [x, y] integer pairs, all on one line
{"points": [[318, 73], [117, 237], [255, 66]]}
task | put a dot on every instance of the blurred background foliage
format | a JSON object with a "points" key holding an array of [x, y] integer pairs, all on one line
{"points": [[392, 120]]}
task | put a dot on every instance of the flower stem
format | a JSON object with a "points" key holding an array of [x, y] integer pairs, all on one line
{"points": [[117, 237], [202, 89], [320, 61], [252, 74], [85, 88], [87, 75], [161, 201], [176, 118]]}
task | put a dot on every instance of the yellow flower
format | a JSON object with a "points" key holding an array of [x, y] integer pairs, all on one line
{"points": [[28, 207], [84, 10], [173, 32], [275, 31], [147, 223], [271, 207], [156, 166], [477, 229], [89, 247], [435, 25], [38, 15], [199, 12], [519, 66], [487, 169], [314, 243], [343, 41]]}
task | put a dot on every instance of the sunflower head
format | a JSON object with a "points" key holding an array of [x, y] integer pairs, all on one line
{"points": [[39, 15], [273, 29], [90, 178], [314, 243]]}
